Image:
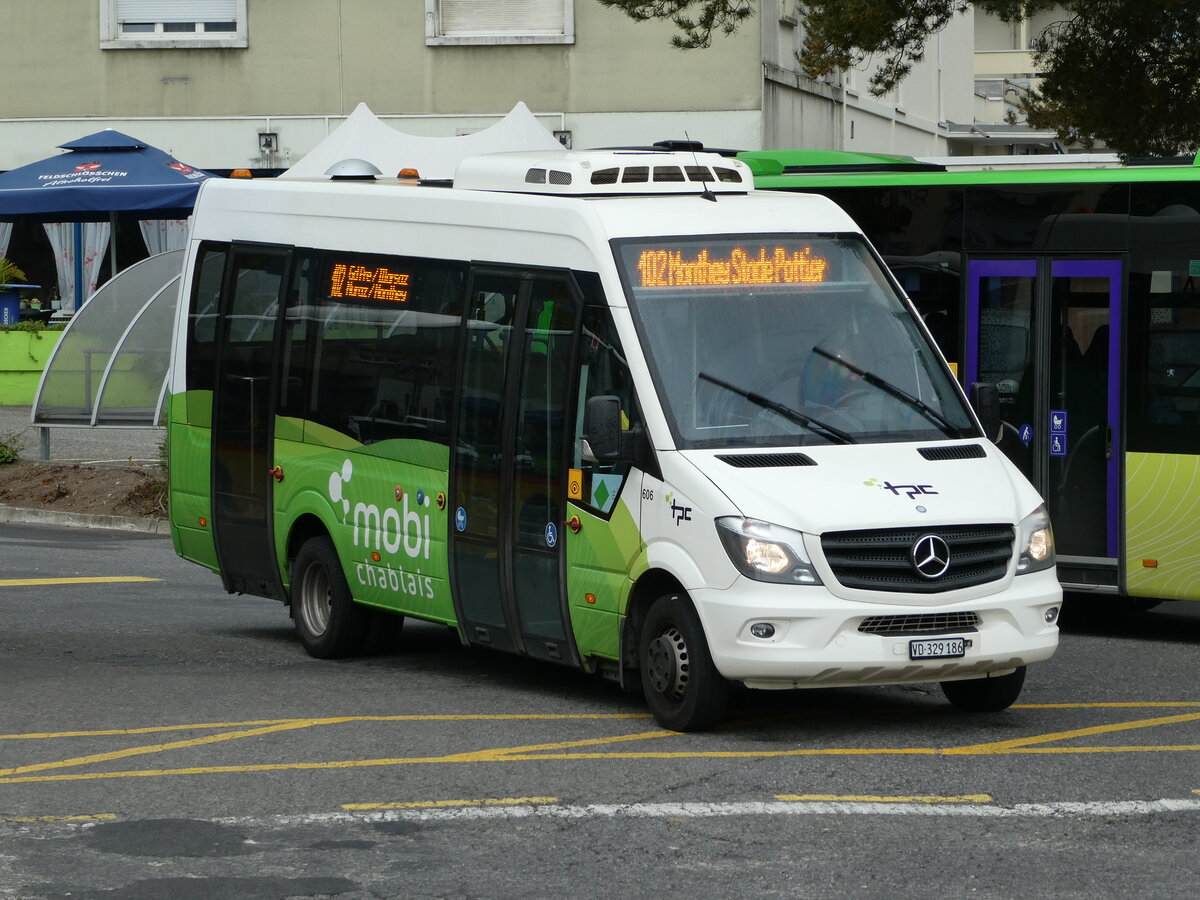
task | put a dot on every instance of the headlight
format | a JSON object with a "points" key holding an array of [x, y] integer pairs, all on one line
{"points": [[1036, 541], [766, 552]]}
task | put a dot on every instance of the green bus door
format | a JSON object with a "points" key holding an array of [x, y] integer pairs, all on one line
{"points": [[510, 461], [243, 415]]}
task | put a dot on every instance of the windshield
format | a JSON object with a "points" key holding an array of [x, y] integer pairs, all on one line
{"points": [[784, 340]]}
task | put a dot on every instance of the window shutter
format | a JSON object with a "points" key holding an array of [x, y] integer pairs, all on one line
{"points": [[483, 17], [176, 11]]}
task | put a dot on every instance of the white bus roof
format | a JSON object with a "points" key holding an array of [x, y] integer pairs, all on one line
{"points": [[492, 208]]}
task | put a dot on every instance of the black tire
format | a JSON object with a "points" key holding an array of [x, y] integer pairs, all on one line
{"points": [[329, 623], [683, 688], [985, 694]]}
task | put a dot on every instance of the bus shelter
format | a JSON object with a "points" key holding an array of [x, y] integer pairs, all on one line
{"points": [[111, 365]]}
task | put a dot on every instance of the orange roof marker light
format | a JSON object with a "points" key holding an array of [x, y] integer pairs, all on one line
{"points": [[240, 173], [408, 176]]}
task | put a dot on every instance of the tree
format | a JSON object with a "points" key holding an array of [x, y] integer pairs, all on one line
{"points": [[1121, 72], [712, 15]]}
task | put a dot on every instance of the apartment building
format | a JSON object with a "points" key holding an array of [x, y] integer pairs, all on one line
{"points": [[225, 84]]}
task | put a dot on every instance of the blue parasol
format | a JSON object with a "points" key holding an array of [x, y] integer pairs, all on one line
{"points": [[101, 174]]}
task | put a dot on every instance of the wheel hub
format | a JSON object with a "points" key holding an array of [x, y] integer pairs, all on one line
{"points": [[667, 658], [315, 603]]}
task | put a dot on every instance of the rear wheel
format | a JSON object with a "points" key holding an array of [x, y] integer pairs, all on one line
{"points": [[683, 688], [985, 694], [328, 621]]}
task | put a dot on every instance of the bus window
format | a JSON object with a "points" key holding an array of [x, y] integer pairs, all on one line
{"points": [[202, 330], [784, 341], [1164, 362], [603, 371], [383, 331]]}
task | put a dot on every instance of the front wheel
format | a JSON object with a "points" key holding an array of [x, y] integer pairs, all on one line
{"points": [[683, 688], [328, 621], [985, 694]]}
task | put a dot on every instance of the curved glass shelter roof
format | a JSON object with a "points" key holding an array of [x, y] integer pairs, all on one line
{"points": [[111, 364]]}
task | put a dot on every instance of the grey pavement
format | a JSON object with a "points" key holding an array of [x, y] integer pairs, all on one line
{"points": [[90, 446]]}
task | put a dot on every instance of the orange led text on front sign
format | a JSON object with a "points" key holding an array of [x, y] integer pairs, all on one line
{"points": [[366, 283], [668, 268]]}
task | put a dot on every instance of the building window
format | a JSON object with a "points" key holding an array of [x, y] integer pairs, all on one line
{"points": [[457, 22], [188, 24]]}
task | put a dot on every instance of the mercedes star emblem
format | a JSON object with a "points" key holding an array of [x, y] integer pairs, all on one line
{"points": [[930, 556]]}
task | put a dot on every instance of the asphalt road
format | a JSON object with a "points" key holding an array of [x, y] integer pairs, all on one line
{"points": [[161, 739]]}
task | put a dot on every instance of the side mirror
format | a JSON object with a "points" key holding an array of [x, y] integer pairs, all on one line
{"points": [[602, 426], [985, 399]]}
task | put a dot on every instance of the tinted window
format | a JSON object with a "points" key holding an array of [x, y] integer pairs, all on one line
{"points": [[1164, 357], [603, 371], [906, 222], [378, 340], [1015, 218], [202, 317]]}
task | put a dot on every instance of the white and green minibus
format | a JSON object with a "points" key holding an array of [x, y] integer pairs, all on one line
{"points": [[615, 410]]}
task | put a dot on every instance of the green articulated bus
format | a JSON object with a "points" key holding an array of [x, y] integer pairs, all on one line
{"points": [[1075, 289], [618, 411]]}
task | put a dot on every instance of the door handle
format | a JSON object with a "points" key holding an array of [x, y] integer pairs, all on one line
{"points": [[276, 473]]}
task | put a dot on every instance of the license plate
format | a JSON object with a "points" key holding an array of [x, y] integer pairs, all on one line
{"points": [[937, 648]]}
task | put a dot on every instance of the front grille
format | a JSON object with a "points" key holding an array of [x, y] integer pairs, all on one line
{"points": [[880, 559], [925, 623]]}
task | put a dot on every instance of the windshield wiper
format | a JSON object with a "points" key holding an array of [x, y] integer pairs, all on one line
{"points": [[871, 378], [834, 434]]}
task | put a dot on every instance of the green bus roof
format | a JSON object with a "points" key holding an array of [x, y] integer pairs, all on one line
{"points": [[798, 169]]}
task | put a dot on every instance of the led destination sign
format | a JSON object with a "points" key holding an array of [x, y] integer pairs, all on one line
{"points": [[669, 268], [355, 282]]}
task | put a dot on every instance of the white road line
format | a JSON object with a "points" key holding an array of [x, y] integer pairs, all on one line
{"points": [[1059, 809], [1065, 809]]}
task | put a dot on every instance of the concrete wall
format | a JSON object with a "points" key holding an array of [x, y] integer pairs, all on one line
{"points": [[316, 58]]}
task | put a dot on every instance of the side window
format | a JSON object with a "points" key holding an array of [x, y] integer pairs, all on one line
{"points": [[1164, 360], [169, 24], [379, 334], [603, 371], [457, 22], [202, 319]]}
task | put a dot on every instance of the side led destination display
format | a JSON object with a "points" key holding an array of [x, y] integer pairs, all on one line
{"points": [[778, 265], [351, 281]]}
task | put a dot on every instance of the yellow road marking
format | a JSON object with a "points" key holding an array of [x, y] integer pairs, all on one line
{"points": [[1018, 743], [560, 750], [443, 804], [332, 720], [867, 798], [155, 748], [97, 579], [1125, 704], [102, 817]]}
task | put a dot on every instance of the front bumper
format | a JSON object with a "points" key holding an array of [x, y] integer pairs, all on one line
{"points": [[817, 641]]}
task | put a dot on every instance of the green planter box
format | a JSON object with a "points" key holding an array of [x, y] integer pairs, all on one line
{"points": [[23, 356]]}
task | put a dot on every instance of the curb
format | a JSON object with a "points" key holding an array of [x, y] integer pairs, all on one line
{"points": [[12, 515]]}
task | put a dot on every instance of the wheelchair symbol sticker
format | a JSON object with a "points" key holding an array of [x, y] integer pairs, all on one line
{"points": [[551, 534]]}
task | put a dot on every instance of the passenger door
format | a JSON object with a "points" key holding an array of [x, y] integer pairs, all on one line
{"points": [[510, 461], [1047, 330], [243, 417]]}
